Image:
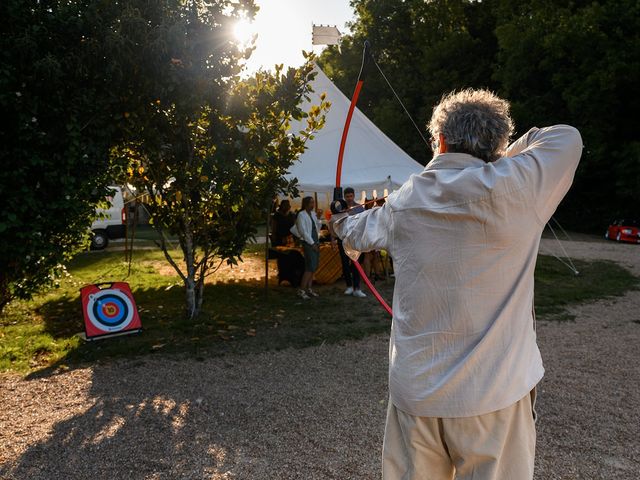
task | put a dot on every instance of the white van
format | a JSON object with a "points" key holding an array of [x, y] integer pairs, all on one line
{"points": [[113, 223]]}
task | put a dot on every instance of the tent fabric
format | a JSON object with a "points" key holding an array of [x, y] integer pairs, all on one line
{"points": [[372, 161]]}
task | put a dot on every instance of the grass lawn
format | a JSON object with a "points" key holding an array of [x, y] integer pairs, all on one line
{"points": [[238, 316], [557, 287], [148, 234]]}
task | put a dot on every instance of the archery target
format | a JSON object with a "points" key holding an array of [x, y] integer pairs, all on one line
{"points": [[110, 310]]}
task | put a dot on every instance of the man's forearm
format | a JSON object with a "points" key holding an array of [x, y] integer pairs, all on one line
{"points": [[365, 231], [549, 162], [521, 143]]}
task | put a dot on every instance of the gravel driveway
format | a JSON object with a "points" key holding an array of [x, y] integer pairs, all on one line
{"points": [[316, 413]]}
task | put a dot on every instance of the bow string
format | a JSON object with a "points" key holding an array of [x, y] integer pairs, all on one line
{"points": [[339, 204]]}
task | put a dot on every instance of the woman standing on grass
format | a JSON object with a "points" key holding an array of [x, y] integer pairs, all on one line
{"points": [[307, 226]]}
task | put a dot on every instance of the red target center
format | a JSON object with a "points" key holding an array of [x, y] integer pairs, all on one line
{"points": [[110, 310]]}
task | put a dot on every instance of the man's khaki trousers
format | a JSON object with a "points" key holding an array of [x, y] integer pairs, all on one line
{"points": [[496, 446]]}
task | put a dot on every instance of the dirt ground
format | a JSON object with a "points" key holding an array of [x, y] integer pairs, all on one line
{"points": [[316, 413], [251, 269]]}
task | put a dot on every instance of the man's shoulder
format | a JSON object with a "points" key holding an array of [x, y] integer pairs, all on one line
{"points": [[440, 189]]}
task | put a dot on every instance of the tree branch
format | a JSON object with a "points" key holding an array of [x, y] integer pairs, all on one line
{"points": [[165, 251]]}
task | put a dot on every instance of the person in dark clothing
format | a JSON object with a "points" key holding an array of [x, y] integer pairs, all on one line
{"points": [[349, 271], [281, 222]]}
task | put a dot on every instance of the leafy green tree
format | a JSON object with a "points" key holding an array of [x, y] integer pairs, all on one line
{"points": [[208, 149], [425, 49], [91, 87], [579, 63], [572, 62], [60, 119]]}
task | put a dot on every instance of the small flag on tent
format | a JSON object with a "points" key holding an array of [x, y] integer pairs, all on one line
{"points": [[325, 35]]}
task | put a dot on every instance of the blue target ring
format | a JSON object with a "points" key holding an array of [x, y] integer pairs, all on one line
{"points": [[110, 310]]}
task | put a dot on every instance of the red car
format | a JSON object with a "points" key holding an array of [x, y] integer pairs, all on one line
{"points": [[624, 231]]}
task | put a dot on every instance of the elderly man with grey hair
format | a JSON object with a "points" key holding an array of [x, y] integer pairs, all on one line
{"points": [[464, 237]]}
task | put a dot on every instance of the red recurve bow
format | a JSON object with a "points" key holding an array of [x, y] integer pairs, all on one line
{"points": [[337, 192]]}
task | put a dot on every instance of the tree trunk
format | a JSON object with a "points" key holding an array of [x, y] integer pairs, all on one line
{"points": [[199, 293], [190, 297], [190, 284]]}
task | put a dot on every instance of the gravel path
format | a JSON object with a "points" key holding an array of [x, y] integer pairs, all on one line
{"points": [[590, 395], [316, 413]]}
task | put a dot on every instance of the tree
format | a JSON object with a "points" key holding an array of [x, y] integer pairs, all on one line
{"points": [[579, 63], [60, 119], [208, 149], [425, 49], [572, 62]]}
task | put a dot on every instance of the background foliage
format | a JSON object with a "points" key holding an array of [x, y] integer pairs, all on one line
{"points": [[99, 92], [207, 148], [574, 62], [60, 118], [151, 77]]}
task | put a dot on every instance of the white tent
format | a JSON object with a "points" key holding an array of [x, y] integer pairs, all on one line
{"points": [[372, 162]]}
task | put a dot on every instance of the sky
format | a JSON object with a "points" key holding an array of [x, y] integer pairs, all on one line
{"points": [[284, 29]]}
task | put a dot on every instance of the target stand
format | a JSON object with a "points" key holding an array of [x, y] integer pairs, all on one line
{"points": [[109, 310]]}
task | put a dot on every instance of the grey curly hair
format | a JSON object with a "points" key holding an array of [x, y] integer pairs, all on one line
{"points": [[472, 121]]}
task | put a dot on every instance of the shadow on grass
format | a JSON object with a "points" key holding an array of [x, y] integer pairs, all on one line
{"points": [[237, 317], [557, 288]]}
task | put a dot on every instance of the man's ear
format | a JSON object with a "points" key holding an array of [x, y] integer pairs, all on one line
{"points": [[442, 142]]}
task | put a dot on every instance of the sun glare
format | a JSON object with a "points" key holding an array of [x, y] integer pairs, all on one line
{"points": [[244, 31], [281, 30]]}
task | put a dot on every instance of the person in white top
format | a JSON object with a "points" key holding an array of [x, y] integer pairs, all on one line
{"points": [[464, 237], [307, 228]]}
